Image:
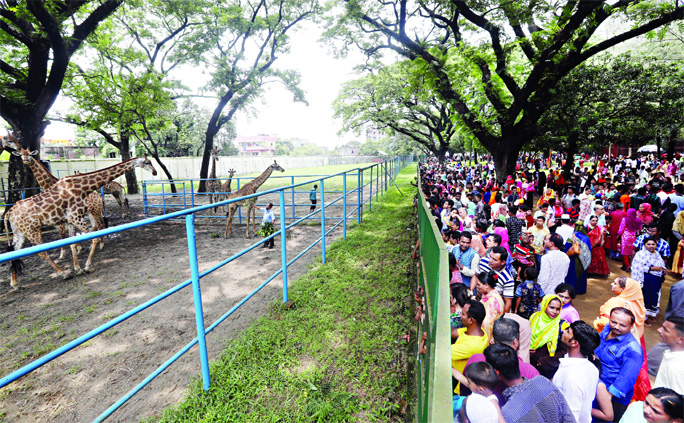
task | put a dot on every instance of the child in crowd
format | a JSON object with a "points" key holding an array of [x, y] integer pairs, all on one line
{"points": [[459, 297], [529, 294], [566, 293], [456, 277], [482, 379]]}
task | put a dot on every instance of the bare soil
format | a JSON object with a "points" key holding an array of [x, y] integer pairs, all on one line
{"points": [[134, 266]]}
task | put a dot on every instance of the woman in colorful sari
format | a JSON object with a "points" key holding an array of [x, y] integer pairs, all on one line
{"points": [[598, 254], [494, 304], [579, 263], [645, 213], [629, 296], [616, 219], [629, 228], [545, 348]]}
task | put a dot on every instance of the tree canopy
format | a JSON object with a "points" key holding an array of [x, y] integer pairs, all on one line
{"points": [[494, 62]]}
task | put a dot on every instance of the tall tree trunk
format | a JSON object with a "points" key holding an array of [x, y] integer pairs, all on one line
{"points": [[131, 179], [672, 144], [208, 145], [572, 150], [504, 163]]}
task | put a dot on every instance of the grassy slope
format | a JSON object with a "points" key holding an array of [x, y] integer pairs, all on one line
{"points": [[336, 352]]}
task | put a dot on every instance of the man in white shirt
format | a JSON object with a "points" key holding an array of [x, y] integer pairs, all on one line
{"points": [[577, 378], [671, 372], [599, 212], [566, 229], [554, 264]]}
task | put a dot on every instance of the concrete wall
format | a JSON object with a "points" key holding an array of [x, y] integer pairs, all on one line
{"points": [[189, 167]]}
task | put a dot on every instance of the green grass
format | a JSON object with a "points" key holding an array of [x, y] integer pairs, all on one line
{"points": [[279, 179], [335, 352]]}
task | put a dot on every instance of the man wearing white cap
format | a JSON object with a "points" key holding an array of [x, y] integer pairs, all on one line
{"points": [[566, 229]]}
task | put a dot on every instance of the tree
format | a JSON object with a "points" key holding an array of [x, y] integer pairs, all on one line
{"points": [[127, 90], [37, 41], [396, 99], [308, 149], [515, 53], [249, 36]]}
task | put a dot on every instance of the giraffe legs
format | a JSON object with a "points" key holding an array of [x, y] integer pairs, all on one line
{"points": [[79, 222], [229, 223], [62, 235], [35, 237]]}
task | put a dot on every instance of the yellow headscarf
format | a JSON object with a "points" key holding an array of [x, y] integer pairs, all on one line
{"points": [[545, 330], [678, 224]]}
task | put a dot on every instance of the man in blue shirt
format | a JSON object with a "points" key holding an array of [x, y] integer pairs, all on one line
{"points": [[621, 358], [312, 197]]}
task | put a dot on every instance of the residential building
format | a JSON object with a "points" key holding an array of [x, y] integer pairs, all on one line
{"points": [[256, 145]]}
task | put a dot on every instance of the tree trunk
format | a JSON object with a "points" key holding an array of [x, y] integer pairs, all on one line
{"points": [[572, 150], [671, 145], [208, 145], [131, 179], [504, 162], [166, 172]]}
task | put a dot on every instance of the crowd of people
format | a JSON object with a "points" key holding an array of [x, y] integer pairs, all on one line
{"points": [[519, 254]]}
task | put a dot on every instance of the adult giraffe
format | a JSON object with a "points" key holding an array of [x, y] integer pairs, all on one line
{"points": [[63, 203], [247, 189], [93, 201], [212, 184]]}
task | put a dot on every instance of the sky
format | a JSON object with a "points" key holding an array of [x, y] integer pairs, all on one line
{"points": [[322, 78]]}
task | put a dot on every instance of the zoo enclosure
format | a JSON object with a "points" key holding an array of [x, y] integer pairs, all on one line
{"points": [[385, 173], [433, 375]]}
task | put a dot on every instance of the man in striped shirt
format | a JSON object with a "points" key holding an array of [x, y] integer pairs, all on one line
{"points": [[505, 284]]}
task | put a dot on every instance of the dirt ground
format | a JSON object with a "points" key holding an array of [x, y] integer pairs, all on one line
{"points": [[134, 266]]}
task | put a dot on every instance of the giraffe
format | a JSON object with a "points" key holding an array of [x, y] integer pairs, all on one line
{"points": [[212, 184], [117, 191], [93, 201], [63, 203], [225, 188], [249, 188]]}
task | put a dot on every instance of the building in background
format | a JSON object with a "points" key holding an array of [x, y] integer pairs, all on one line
{"points": [[65, 149], [374, 134], [257, 145]]}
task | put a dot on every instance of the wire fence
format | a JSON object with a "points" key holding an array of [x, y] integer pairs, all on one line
{"points": [[337, 207]]}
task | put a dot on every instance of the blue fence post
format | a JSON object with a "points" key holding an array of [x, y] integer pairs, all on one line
{"points": [[370, 197], [344, 205], [104, 212], [385, 176], [163, 199], [292, 178], [147, 210], [185, 201], [359, 193], [323, 219], [197, 295], [4, 196], [283, 243], [192, 193], [240, 208]]}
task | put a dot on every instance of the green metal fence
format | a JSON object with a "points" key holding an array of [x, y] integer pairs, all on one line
{"points": [[434, 368]]}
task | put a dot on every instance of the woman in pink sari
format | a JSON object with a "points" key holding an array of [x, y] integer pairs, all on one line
{"points": [[500, 229], [616, 219], [629, 228], [645, 213]]}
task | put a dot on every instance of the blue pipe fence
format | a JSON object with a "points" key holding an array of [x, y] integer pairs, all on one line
{"points": [[159, 199], [386, 170]]}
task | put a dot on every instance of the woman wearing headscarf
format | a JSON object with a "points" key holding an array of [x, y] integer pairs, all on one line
{"points": [[629, 296], [579, 261], [647, 269], [514, 226], [645, 213], [629, 228], [500, 229], [546, 325]]}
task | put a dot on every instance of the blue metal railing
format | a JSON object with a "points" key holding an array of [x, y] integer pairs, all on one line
{"points": [[389, 168]]}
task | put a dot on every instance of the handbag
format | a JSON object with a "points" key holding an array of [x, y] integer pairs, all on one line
{"points": [[575, 249]]}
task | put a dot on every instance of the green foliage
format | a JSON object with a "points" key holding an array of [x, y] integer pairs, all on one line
{"points": [[335, 352], [308, 149]]}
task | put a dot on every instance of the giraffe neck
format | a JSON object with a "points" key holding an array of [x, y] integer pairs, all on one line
{"points": [[212, 174], [43, 176], [88, 182], [253, 185], [230, 181]]}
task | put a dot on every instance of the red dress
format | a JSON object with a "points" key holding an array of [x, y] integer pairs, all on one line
{"points": [[616, 216], [598, 265]]}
